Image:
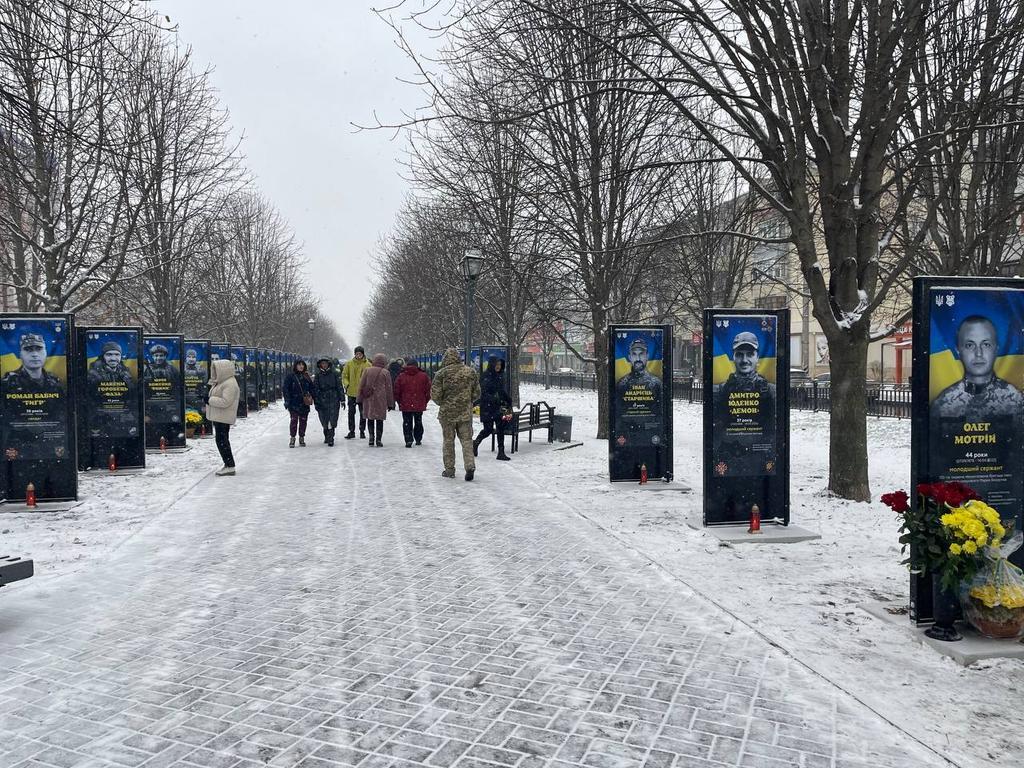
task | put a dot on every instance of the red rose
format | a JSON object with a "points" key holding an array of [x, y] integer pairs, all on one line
{"points": [[898, 501], [927, 489], [958, 493]]}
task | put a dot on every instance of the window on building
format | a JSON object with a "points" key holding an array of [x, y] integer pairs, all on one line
{"points": [[772, 302]]}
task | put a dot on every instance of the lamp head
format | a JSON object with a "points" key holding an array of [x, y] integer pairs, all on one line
{"points": [[472, 264]]}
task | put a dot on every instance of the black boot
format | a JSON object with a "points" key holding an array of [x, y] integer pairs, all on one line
{"points": [[501, 454], [330, 437], [327, 436], [476, 445], [350, 436]]}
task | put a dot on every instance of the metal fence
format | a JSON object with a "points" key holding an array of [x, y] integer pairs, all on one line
{"points": [[889, 400]]}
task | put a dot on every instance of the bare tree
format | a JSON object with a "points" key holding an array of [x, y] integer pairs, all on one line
{"points": [[182, 174], [66, 149], [823, 93]]}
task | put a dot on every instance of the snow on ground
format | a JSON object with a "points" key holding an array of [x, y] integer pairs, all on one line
{"points": [[801, 597], [112, 508]]}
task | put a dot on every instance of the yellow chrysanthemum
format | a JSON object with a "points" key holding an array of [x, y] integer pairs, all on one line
{"points": [[970, 547], [954, 549]]}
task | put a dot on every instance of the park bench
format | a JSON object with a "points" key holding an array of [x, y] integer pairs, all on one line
{"points": [[14, 569], [531, 416]]}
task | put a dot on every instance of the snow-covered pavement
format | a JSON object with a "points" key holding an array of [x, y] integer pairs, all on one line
{"points": [[349, 606]]}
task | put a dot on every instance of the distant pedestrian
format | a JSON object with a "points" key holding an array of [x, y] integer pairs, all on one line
{"points": [[222, 410], [377, 397], [395, 367], [298, 397], [327, 396], [456, 387], [412, 393], [495, 402], [351, 375]]}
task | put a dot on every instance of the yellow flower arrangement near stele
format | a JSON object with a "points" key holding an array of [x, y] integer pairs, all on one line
{"points": [[972, 526], [193, 419], [1008, 596]]}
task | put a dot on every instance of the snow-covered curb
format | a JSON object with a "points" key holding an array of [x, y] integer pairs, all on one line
{"points": [[802, 597], [113, 508]]}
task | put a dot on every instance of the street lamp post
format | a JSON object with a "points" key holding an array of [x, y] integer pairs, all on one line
{"points": [[385, 335], [472, 264], [312, 338]]}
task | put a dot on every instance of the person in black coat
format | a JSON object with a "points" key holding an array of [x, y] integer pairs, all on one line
{"points": [[298, 396], [494, 402], [327, 397]]}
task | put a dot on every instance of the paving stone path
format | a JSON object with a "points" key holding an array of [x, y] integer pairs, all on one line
{"points": [[350, 607]]}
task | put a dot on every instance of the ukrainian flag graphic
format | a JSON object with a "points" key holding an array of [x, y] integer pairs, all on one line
{"points": [[949, 307], [726, 328], [653, 338]]}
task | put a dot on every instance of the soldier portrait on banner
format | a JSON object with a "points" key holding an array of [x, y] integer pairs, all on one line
{"points": [[744, 440], [33, 382], [111, 381], [976, 403], [638, 387]]}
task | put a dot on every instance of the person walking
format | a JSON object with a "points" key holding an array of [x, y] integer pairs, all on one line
{"points": [[327, 396], [351, 375], [455, 388], [494, 402], [395, 368], [222, 410], [298, 396], [412, 393], [377, 397]]}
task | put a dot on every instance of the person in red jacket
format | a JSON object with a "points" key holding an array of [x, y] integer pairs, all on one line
{"points": [[412, 393]]}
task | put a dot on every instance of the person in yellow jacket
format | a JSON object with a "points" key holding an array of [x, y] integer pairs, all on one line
{"points": [[351, 374]]}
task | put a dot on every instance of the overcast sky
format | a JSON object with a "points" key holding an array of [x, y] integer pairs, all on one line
{"points": [[295, 76]]}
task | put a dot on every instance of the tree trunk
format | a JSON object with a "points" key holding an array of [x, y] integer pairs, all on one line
{"points": [[848, 441], [513, 360], [601, 371]]}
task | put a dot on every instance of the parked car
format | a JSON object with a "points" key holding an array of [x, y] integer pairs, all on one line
{"points": [[565, 370], [823, 379]]}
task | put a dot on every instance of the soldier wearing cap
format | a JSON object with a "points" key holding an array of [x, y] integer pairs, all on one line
{"points": [[639, 379], [158, 367], [32, 377], [638, 400], [195, 376], [744, 437]]}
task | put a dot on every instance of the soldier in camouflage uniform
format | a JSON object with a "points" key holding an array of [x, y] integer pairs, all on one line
{"points": [[455, 388], [30, 422], [980, 395], [32, 377], [108, 419]]}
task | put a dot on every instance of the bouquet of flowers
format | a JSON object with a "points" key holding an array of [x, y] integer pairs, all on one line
{"points": [[956, 536], [193, 418], [945, 532]]}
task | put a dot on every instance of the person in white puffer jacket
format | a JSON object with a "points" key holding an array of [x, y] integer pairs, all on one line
{"points": [[222, 410]]}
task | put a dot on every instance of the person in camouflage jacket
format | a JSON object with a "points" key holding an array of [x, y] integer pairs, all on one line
{"points": [[455, 388]]}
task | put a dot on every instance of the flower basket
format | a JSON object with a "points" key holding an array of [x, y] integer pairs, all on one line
{"points": [[993, 601], [193, 419], [997, 621]]}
